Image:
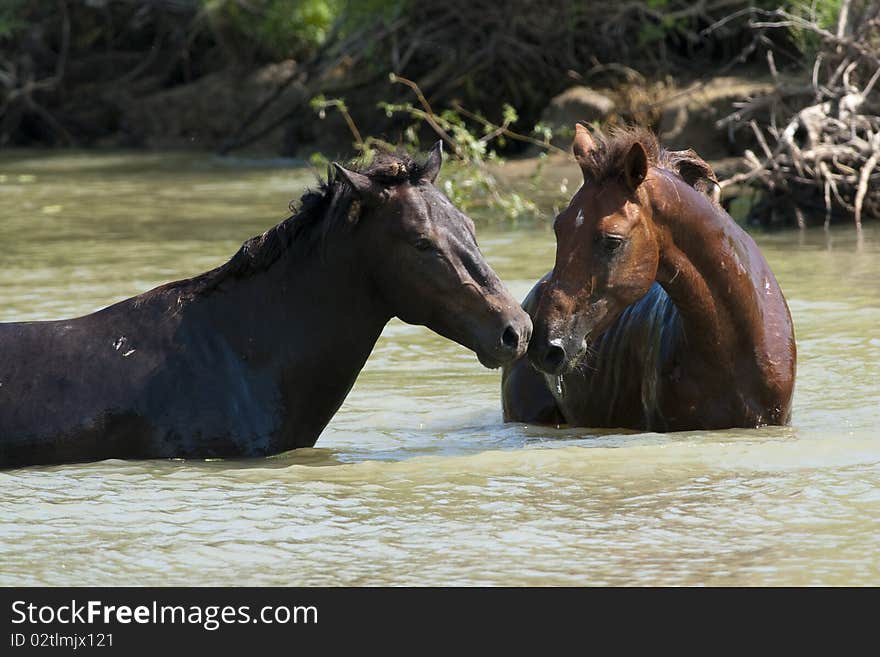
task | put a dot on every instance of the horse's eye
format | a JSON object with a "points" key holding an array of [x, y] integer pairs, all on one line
{"points": [[424, 244], [610, 243]]}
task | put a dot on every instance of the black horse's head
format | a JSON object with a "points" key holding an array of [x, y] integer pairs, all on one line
{"points": [[421, 253]]}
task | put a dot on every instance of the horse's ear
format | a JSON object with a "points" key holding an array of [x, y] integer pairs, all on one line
{"points": [[367, 191], [635, 166], [582, 145], [364, 186], [433, 163], [693, 169]]}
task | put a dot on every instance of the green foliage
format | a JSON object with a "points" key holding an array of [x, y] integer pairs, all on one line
{"points": [[355, 13], [662, 21], [825, 15], [468, 181], [295, 28], [11, 18], [470, 140], [651, 33], [283, 28]]}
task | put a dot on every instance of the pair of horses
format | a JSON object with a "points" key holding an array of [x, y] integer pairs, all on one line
{"points": [[659, 314]]}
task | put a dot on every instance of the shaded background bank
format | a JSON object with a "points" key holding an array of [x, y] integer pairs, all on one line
{"points": [[781, 96]]}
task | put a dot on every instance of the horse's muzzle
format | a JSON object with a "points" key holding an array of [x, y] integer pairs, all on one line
{"points": [[509, 343], [548, 357], [555, 356]]}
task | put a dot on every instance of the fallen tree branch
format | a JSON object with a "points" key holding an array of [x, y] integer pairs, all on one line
{"points": [[828, 152]]}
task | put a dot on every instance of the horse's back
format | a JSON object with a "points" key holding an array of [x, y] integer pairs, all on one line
{"points": [[131, 381], [68, 388]]}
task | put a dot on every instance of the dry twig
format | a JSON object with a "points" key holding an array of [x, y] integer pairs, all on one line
{"points": [[828, 152]]}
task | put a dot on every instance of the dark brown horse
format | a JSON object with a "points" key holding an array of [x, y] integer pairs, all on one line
{"points": [[255, 357], [660, 312]]}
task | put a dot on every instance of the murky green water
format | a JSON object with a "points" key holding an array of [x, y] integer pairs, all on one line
{"points": [[416, 480]]}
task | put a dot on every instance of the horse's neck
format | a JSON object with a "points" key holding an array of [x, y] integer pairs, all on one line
{"points": [[712, 270], [309, 316]]}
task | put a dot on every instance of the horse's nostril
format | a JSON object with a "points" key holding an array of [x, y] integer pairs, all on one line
{"points": [[554, 357], [509, 338]]}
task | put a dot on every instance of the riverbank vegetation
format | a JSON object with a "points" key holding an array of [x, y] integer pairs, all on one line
{"points": [[793, 115], [817, 131]]}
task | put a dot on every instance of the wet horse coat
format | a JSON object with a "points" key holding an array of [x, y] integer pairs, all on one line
{"points": [[661, 313], [255, 357]]}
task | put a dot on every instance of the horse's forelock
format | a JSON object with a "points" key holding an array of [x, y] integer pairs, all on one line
{"points": [[332, 199], [393, 167], [605, 161]]}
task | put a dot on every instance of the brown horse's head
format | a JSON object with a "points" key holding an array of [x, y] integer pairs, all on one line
{"points": [[422, 256], [607, 249]]}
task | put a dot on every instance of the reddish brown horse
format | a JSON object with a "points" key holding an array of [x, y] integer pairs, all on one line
{"points": [[660, 313]]}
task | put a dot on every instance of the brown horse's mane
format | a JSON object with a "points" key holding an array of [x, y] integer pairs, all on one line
{"points": [[319, 210], [605, 160]]}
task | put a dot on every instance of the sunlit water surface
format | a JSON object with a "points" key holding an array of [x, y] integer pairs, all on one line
{"points": [[416, 480]]}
